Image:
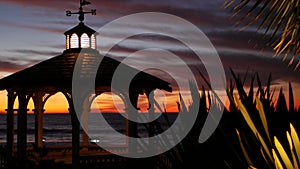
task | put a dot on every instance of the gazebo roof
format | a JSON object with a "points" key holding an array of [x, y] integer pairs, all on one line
{"points": [[58, 71], [79, 29]]}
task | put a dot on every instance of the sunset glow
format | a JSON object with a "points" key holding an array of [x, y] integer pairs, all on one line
{"points": [[110, 102], [38, 36], [105, 103], [148, 84]]}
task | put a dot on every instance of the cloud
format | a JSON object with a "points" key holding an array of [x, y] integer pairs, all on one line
{"points": [[234, 48], [34, 52], [239, 59], [193, 10], [38, 27], [55, 4], [6, 66], [246, 40], [23, 58], [241, 62]]}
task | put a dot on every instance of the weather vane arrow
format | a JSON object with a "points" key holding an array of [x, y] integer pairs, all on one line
{"points": [[84, 2], [81, 12]]}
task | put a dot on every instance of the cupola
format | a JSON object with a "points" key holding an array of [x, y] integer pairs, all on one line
{"points": [[81, 36]]}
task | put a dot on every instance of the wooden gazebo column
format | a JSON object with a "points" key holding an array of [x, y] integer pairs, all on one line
{"points": [[75, 128], [131, 126], [84, 118], [10, 126], [75, 138], [151, 112], [22, 127], [38, 112], [85, 125]]}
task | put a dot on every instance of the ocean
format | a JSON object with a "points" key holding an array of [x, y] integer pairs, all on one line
{"points": [[57, 129]]}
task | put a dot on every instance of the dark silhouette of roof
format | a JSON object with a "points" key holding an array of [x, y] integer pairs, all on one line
{"points": [[58, 71], [81, 28]]}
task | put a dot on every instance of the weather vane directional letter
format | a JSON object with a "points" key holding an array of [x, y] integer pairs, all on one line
{"points": [[81, 12]]}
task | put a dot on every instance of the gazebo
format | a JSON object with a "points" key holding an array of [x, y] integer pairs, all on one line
{"points": [[48, 77]]}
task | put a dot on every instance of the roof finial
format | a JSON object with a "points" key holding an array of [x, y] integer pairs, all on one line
{"points": [[81, 12]]}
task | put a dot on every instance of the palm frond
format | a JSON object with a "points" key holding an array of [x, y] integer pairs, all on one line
{"points": [[279, 19]]}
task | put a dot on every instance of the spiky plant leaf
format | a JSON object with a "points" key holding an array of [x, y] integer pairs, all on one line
{"points": [[268, 88], [263, 117], [289, 138], [296, 141], [284, 157], [260, 88], [249, 162], [251, 91], [277, 162], [252, 127], [239, 86], [246, 116], [265, 158], [291, 98]]}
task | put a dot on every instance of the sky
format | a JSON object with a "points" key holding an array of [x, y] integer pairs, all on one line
{"points": [[32, 31]]}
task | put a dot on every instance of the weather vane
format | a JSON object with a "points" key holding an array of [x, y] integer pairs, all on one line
{"points": [[81, 12]]}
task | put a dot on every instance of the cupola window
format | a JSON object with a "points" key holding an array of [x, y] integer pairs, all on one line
{"points": [[93, 41], [85, 41], [68, 42], [74, 41]]}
